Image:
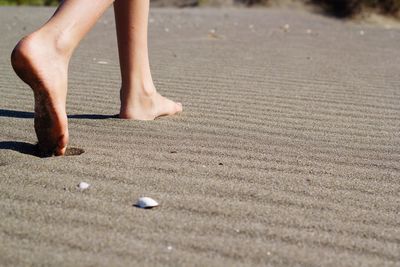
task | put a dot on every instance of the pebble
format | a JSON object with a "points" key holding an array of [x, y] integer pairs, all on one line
{"points": [[102, 62], [362, 32], [146, 203], [213, 34], [286, 27], [83, 186]]}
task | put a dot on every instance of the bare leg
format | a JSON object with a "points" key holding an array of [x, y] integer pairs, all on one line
{"points": [[41, 60], [139, 98]]}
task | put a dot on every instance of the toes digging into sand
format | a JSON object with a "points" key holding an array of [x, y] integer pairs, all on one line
{"points": [[69, 151]]}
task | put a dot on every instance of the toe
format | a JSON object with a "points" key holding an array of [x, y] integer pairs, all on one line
{"points": [[179, 107], [170, 108], [60, 151]]}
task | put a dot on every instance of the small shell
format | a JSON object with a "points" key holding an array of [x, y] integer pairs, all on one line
{"points": [[212, 35], [146, 203], [83, 186], [286, 27]]}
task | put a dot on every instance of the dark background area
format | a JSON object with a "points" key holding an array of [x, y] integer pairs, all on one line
{"points": [[339, 8]]}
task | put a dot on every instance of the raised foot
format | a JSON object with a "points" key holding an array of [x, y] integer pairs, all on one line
{"points": [[45, 71], [149, 107]]}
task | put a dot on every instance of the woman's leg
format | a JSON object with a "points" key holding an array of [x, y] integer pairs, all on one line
{"points": [[139, 98], [41, 60]]}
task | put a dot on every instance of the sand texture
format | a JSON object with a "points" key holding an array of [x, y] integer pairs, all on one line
{"points": [[287, 153]]}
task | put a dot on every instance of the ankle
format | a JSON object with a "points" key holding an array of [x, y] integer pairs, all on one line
{"points": [[138, 89], [63, 45], [147, 89], [58, 44], [140, 95]]}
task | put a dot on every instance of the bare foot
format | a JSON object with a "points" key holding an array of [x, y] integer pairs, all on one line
{"points": [[146, 104], [42, 67]]}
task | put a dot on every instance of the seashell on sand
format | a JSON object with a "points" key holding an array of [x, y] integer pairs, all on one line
{"points": [[83, 186], [146, 203]]}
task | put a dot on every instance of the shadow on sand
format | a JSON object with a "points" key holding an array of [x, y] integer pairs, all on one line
{"points": [[30, 115], [30, 149], [21, 147]]}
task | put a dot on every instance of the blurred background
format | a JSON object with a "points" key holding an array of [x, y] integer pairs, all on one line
{"points": [[338, 8]]}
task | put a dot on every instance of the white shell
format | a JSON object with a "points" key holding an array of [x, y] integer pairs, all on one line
{"points": [[146, 203], [83, 185]]}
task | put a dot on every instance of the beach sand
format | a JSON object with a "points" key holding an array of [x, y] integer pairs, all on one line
{"points": [[287, 153]]}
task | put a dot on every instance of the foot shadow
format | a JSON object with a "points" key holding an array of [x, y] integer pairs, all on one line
{"points": [[30, 115], [32, 150], [16, 114], [21, 147], [92, 116]]}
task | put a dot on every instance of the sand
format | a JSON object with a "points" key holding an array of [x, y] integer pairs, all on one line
{"points": [[287, 153]]}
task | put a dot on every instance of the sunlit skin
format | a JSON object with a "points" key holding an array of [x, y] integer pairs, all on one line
{"points": [[41, 60]]}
